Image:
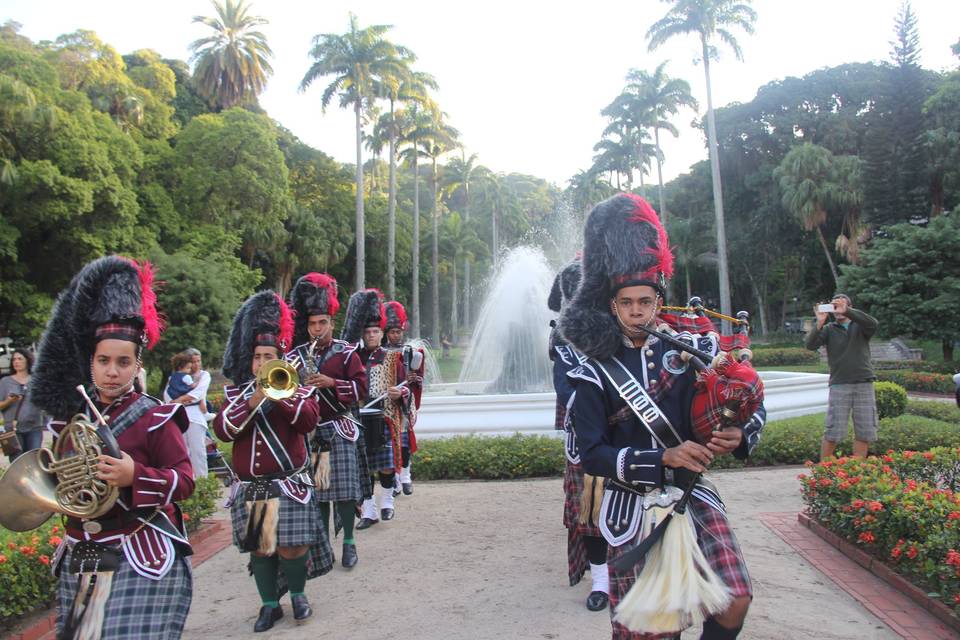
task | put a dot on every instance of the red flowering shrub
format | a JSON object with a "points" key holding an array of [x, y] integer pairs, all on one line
{"points": [[25, 570], [919, 381], [904, 508]]}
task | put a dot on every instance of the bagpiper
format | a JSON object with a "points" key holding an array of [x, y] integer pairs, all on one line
{"points": [[586, 547], [268, 416], [125, 573], [649, 422], [389, 398], [414, 365], [333, 368]]}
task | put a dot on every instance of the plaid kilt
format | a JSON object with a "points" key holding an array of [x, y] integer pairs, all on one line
{"points": [[577, 563], [383, 458], [138, 607], [719, 546], [298, 524], [559, 417], [365, 470], [344, 469]]}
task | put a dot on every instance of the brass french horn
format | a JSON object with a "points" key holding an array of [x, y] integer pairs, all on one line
{"points": [[58, 479]]}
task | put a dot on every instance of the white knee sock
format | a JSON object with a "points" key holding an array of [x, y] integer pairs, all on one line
{"points": [[601, 579], [405, 475], [386, 498], [369, 509]]}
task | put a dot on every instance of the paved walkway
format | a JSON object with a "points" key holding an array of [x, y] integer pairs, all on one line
{"points": [[487, 561]]}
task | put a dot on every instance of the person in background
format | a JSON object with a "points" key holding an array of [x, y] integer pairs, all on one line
{"points": [[847, 340], [18, 411], [196, 404], [180, 382]]}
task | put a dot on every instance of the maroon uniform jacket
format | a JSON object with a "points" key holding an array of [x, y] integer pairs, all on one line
{"points": [[340, 361], [162, 475], [257, 452]]}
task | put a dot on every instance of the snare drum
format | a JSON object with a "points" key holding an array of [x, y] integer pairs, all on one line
{"points": [[373, 428]]}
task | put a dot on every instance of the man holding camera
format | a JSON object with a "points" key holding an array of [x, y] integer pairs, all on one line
{"points": [[847, 340]]}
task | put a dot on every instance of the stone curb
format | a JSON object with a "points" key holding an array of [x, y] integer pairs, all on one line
{"points": [[880, 569]]}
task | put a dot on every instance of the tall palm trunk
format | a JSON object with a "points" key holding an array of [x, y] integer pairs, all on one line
{"points": [[826, 252], [663, 202], [495, 238], [466, 267], [453, 302], [724, 272], [392, 212], [361, 239], [415, 284], [435, 257]]}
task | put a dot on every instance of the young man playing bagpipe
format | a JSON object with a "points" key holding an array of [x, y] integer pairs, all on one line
{"points": [[410, 394], [268, 417], [339, 380], [650, 423], [386, 400], [123, 566], [586, 547]]}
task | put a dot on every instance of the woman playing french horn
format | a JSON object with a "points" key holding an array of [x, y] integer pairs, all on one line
{"points": [[123, 574], [268, 417]]}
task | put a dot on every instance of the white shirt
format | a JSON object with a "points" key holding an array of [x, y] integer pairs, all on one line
{"points": [[198, 393]]}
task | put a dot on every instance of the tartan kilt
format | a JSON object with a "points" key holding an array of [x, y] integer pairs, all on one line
{"points": [[365, 470], [298, 524], [559, 417], [719, 546], [577, 563], [138, 607], [344, 470], [383, 459]]}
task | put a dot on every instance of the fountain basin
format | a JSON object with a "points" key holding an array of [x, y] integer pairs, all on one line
{"points": [[788, 394]]}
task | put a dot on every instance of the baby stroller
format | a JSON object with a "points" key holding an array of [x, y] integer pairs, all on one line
{"points": [[217, 464]]}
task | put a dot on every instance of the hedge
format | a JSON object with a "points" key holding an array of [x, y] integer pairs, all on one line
{"points": [[891, 399], [489, 458], [25, 557], [928, 366], [900, 507], [947, 412], [783, 357], [919, 381]]}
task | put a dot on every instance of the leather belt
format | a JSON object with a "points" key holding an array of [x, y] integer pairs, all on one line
{"points": [[109, 524]]}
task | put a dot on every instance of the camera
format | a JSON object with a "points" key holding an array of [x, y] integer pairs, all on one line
{"points": [[826, 308]]}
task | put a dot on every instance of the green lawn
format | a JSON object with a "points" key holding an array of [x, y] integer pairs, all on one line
{"points": [[450, 366], [799, 368]]}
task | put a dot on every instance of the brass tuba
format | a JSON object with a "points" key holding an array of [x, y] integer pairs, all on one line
{"points": [[58, 479]]}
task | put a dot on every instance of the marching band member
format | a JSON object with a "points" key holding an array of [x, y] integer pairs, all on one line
{"points": [[274, 508], [582, 493], [647, 421], [125, 574], [333, 368], [395, 327]]}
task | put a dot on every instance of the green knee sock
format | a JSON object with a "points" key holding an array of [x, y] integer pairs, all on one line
{"points": [[265, 575], [325, 517], [296, 571], [347, 510]]}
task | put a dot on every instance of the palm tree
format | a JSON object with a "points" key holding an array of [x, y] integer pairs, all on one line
{"points": [[441, 139], [661, 97], [231, 65], [847, 197], [459, 172], [805, 177], [375, 141], [357, 60], [615, 157], [459, 242], [408, 87], [415, 122], [709, 19], [630, 117]]}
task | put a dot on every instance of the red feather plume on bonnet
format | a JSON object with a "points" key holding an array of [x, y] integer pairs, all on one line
{"points": [[153, 324], [328, 282], [400, 312], [664, 257], [285, 325]]}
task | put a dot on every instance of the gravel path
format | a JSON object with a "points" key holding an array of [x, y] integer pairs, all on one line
{"points": [[487, 561]]}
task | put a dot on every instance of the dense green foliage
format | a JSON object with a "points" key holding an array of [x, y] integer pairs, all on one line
{"points": [[891, 399], [901, 507], [488, 458], [946, 412], [771, 357], [919, 381], [25, 569]]}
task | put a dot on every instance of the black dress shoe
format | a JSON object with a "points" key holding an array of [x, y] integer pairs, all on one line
{"points": [[396, 491], [408, 488], [386, 514], [597, 601], [268, 615], [350, 558], [301, 608], [366, 523]]}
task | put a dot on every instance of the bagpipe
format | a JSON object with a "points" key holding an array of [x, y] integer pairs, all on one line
{"points": [[677, 588]]}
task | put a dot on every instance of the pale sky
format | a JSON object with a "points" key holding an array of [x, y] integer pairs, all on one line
{"points": [[524, 82]]}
